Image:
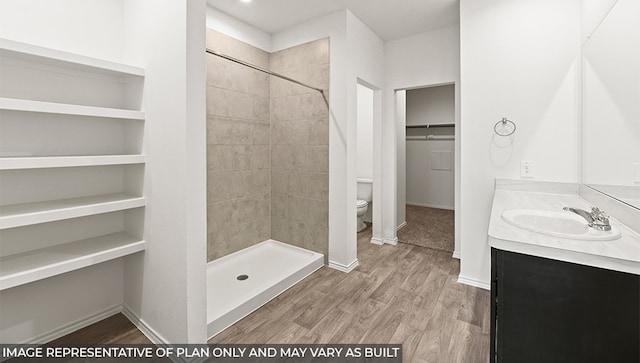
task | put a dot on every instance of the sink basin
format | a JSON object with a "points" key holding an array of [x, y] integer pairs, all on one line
{"points": [[557, 223]]}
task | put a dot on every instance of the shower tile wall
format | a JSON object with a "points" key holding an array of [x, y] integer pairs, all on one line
{"points": [[238, 148], [268, 156], [300, 147]]}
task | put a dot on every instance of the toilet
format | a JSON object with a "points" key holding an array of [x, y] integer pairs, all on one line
{"points": [[362, 206], [365, 192]]}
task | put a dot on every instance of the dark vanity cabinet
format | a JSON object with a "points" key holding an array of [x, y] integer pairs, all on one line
{"points": [[546, 311]]}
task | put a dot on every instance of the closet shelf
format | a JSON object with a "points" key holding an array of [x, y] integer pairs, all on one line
{"points": [[16, 104], [54, 57], [39, 264], [428, 126], [18, 215], [13, 163]]}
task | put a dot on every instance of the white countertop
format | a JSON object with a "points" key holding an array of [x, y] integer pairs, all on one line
{"points": [[621, 254]]}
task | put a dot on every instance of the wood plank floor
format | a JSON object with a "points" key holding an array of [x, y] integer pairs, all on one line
{"points": [[116, 329], [399, 294]]}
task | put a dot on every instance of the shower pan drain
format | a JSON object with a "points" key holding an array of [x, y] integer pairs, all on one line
{"points": [[242, 277]]}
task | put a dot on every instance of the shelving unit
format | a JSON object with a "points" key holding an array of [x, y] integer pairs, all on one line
{"points": [[14, 104], [31, 266], [55, 57], [18, 215], [15, 163], [41, 87], [428, 126]]}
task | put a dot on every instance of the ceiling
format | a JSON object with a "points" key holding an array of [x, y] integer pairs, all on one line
{"points": [[390, 19]]}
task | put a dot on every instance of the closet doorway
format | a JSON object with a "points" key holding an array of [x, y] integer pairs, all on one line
{"points": [[429, 167]]}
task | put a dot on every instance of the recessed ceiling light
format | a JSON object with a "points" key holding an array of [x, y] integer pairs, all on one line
{"points": [[246, 1]]}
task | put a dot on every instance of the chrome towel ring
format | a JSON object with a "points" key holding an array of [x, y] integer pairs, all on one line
{"points": [[506, 127]]}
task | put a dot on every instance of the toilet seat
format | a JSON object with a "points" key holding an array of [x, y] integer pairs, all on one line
{"points": [[361, 203]]}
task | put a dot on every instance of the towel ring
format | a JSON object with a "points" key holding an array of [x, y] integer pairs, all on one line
{"points": [[505, 124]]}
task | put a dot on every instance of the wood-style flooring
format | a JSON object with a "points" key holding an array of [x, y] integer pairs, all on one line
{"points": [[399, 294], [113, 330]]}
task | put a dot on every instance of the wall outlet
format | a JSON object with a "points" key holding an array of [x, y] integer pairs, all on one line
{"points": [[526, 169]]}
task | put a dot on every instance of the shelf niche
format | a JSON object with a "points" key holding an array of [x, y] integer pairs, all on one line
{"points": [[43, 250], [33, 73], [71, 162]]}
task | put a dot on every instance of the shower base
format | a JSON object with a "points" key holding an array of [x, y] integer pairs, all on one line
{"points": [[239, 283]]}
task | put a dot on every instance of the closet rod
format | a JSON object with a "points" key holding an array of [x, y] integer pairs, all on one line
{"points": [[428, 126], [236, 60], [432, 137]]}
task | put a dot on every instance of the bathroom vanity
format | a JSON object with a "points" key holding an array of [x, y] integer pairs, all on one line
{"points": [[552, 311], [561, 298]]}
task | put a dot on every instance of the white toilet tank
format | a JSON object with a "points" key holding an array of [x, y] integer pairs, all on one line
{"points": [[365, 189]]}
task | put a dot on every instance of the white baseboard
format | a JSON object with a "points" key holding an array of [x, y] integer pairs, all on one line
{"points": [[377, 241], [403, 224], [73, 326], [436, 206], [391, 241], [456, 254], [148, 331], [474, 282], [344, 268]]}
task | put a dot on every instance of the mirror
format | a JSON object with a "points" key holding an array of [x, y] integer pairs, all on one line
{"points": [[611, 105]]}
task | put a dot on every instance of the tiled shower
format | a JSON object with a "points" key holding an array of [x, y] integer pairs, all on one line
{"points": [[267, 147]]}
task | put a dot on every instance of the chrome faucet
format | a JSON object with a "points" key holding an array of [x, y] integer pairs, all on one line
{"points": [[597, 219]]}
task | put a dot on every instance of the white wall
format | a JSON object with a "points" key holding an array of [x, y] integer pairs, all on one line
{"points": [[610, 94], [47, 309], [92, 28], [420, 60], [80, 297], [519, 59], [365, 132], [431, 105], [428, 184], [592, 13], [366, 60], [165, 289], [237, 29]]}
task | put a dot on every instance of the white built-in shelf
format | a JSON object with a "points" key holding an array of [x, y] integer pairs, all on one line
{"points": [[42, 55], [428, 126], [35, 265], [54, 70], [13, 163], [16, 104], [18, 215]]}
